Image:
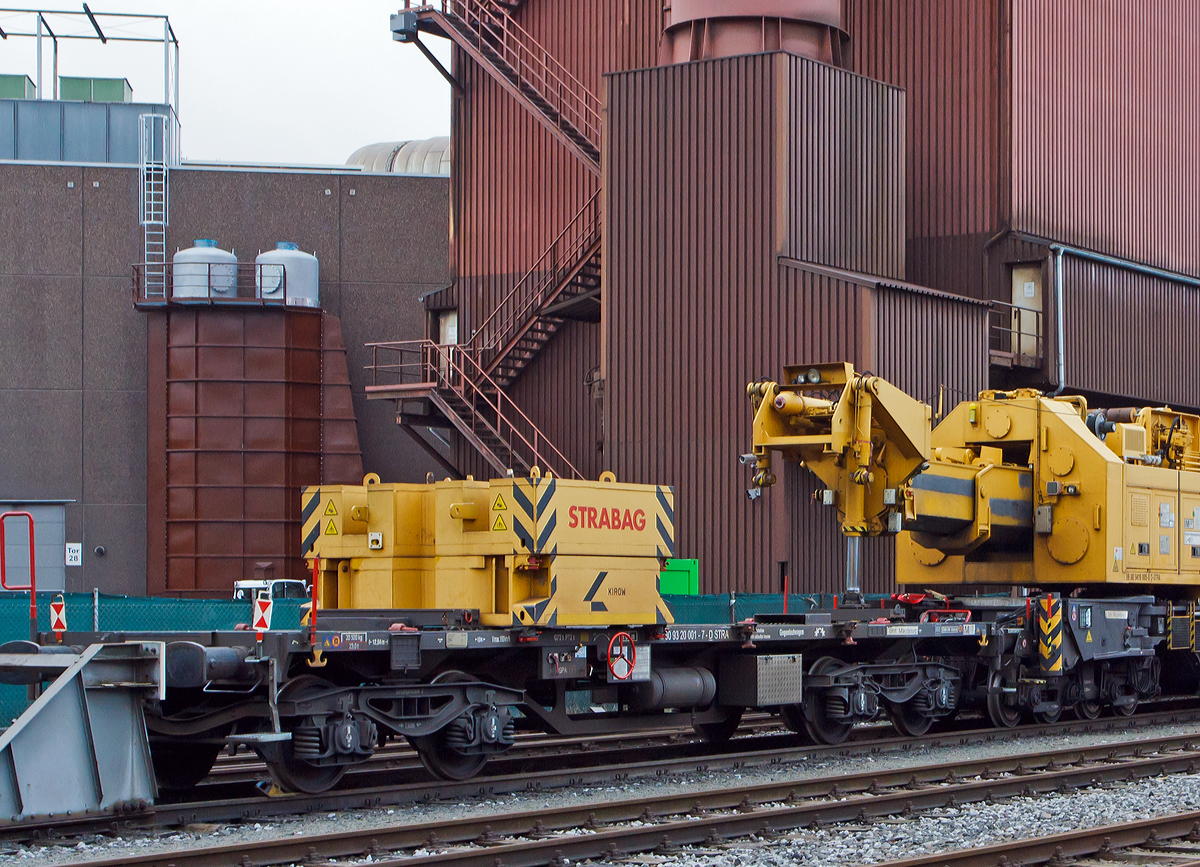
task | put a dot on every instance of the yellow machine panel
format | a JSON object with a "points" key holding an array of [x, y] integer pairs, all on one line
{"points": [[1013, 487], [523, 551]]}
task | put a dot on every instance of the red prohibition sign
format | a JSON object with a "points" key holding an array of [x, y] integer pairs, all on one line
{"points": [[622, 656]]}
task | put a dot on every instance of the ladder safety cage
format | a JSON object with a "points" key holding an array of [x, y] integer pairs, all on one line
{"points": [[157, 150]]}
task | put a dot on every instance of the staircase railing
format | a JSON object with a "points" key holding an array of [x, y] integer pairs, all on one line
{"points": [[487, 407], [529, 293], [532, 63]]}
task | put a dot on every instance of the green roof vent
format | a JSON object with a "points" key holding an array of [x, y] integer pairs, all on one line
{"points": [[17, 87], [95, 89]]}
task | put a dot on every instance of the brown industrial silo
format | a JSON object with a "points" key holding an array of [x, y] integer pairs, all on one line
{"points": [[702, 29], [247, 405]]}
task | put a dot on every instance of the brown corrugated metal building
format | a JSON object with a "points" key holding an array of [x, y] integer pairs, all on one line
{"points": [[764, 209], [753, 215], [1035, 123], [740, 230]]}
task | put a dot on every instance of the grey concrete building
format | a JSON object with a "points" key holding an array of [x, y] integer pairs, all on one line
{"points": [[73, 349]]}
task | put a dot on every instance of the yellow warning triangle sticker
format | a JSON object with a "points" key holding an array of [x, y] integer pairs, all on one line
{"points": [[1089, 637], [499, 524], [331, 509], [499, 506], [331, 530]]}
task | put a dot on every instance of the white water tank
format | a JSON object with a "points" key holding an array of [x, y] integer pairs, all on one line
{"points": [[288, 270], [203, 270]]}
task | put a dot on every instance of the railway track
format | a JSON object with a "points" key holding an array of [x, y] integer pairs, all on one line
{"points": [[742, 752], [1164, 841], [247, 768], [555, 761], [663, 823]]}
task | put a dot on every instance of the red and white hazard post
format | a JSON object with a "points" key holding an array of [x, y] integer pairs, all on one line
{"points": [[58, 617], [261, 622]]}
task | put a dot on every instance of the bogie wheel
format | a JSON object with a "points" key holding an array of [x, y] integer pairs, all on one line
{"points": [[719, 732], [1045, 717], [999, 711], [1125, 709], [294, 774], [908, 720], [792, 716], [1088, 709], [438, 757], [820, 726], [179, 766]]}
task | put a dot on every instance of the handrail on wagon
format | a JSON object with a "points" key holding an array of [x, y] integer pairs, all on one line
{"points": [[32, 585]]}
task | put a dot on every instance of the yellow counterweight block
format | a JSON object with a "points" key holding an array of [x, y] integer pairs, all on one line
{"points": [[1050, 633], [534, 551], [599, 545]]}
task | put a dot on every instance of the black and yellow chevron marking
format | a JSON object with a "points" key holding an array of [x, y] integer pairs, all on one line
{"points": [[666, 522], [1183, 629], [524, 513], [1050, 633], [547, 515], [310, 519]]}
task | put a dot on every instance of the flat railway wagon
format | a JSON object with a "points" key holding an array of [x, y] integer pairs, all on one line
{"points": [[456, 613]]}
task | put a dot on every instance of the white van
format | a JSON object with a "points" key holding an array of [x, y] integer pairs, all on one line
{"points": [[285, 588]]}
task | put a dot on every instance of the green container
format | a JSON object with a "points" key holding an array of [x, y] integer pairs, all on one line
{"points": [[680, 578], [94, 89], [17, 87]]}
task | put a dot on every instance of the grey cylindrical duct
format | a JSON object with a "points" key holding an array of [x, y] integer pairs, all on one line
{"points": [[676, 687]]}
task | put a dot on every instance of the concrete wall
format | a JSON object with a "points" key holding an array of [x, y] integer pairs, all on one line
{"points": [[73, 348]]}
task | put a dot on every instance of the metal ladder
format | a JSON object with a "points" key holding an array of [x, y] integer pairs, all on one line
{"points": [[154, 155]]}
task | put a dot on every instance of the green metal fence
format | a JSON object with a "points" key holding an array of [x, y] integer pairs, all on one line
{"points": [[716, 608], [87, 612]]}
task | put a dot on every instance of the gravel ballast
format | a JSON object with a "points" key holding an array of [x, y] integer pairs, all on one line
{"points": [[939, 830]]}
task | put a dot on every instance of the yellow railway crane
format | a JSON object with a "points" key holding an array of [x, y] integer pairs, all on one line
{"points": [[1012, 488]]}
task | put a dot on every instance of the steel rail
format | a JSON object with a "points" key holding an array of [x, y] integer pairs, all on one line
{"points": [[763, 809], [740, 753], [530, 746], [1100, 841]]}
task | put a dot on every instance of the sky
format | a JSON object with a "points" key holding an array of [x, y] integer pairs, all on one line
{"points": [[265, 80]]}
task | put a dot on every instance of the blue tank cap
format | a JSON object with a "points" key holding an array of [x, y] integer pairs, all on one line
{"points": [[204, 242], [286, 245]]}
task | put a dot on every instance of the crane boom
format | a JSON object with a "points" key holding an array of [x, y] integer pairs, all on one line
{"points": [[1011, 488]]}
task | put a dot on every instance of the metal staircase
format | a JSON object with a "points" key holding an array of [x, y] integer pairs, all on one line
{"points": [[565, 281], [486, 31], [452, 380], [563, 284], [154, 156]]}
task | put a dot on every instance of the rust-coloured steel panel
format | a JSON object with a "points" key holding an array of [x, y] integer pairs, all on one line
{"points": [[1106, 115], [947, 55], [944, 54], [698, 303], [1109, 314], [677, 410], [841, 166], [703, 195], [559, 398], [245, 407], [514, 185]]}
